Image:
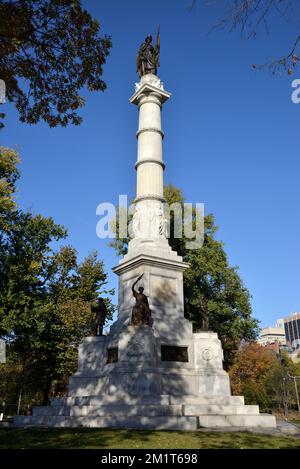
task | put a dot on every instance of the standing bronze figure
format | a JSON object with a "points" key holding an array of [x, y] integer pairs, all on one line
{"points": [[148, 56], [204, 313], [100, 311], [141, 312]]}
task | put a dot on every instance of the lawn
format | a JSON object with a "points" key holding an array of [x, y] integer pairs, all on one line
{"points": [[88, 438], [297, 422]]}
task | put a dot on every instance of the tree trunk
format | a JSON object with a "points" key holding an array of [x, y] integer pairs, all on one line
{"points": [[46, 391]]}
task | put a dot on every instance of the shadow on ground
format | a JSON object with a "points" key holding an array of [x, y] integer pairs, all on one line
{"points": [[88, 438]]}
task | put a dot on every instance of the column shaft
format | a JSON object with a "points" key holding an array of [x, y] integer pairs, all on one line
{"points": [[149, 157]]}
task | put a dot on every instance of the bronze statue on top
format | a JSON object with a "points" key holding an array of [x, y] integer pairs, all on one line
{"points": [[148, 56], [100, 311], [141, 312]]}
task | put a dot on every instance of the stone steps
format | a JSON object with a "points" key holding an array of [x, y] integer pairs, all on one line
{"points": [[144, 410], [209, 400], [150, 422], [245, 421], [164, 399], [187, 412], [107, 399], [51, 411], [109, 410], [154, 423], [127, 411], [199, 410]]}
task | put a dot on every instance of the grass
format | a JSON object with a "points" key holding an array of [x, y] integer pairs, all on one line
{"points": [[88, 438]]}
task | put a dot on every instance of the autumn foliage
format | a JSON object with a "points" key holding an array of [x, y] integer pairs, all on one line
{"points": [[262, 376], [252, 364]]}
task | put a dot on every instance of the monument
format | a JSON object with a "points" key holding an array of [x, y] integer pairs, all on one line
{"points": [[151, 371]]}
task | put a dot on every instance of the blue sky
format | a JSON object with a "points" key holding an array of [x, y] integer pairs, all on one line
{"points": [[230, 142]]}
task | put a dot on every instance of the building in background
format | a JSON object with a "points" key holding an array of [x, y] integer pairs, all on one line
{"points": [[272, 335], [280, 323], [292, 330], [284, 336]]}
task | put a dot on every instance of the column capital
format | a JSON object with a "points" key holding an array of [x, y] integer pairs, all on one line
{"points": [[148, 89]]}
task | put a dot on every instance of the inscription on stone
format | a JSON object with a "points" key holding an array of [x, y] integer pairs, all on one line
{"points": [[172, 353]]}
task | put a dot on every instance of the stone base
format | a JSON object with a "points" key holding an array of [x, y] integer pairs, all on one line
{"points": [[142, 369], [149, 390], [157, 412]]}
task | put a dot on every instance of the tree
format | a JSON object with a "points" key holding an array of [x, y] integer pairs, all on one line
{"points": [[210, 277], [250, 372], [50, 50], [279, 384], [45, 294], [263, 377], [9, 174], [250, 16], [46, 326], [50, 334], [210, 280]]}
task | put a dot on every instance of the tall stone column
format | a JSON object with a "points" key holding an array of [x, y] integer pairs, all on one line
{"points": [[149, 221], [149, 99]]}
